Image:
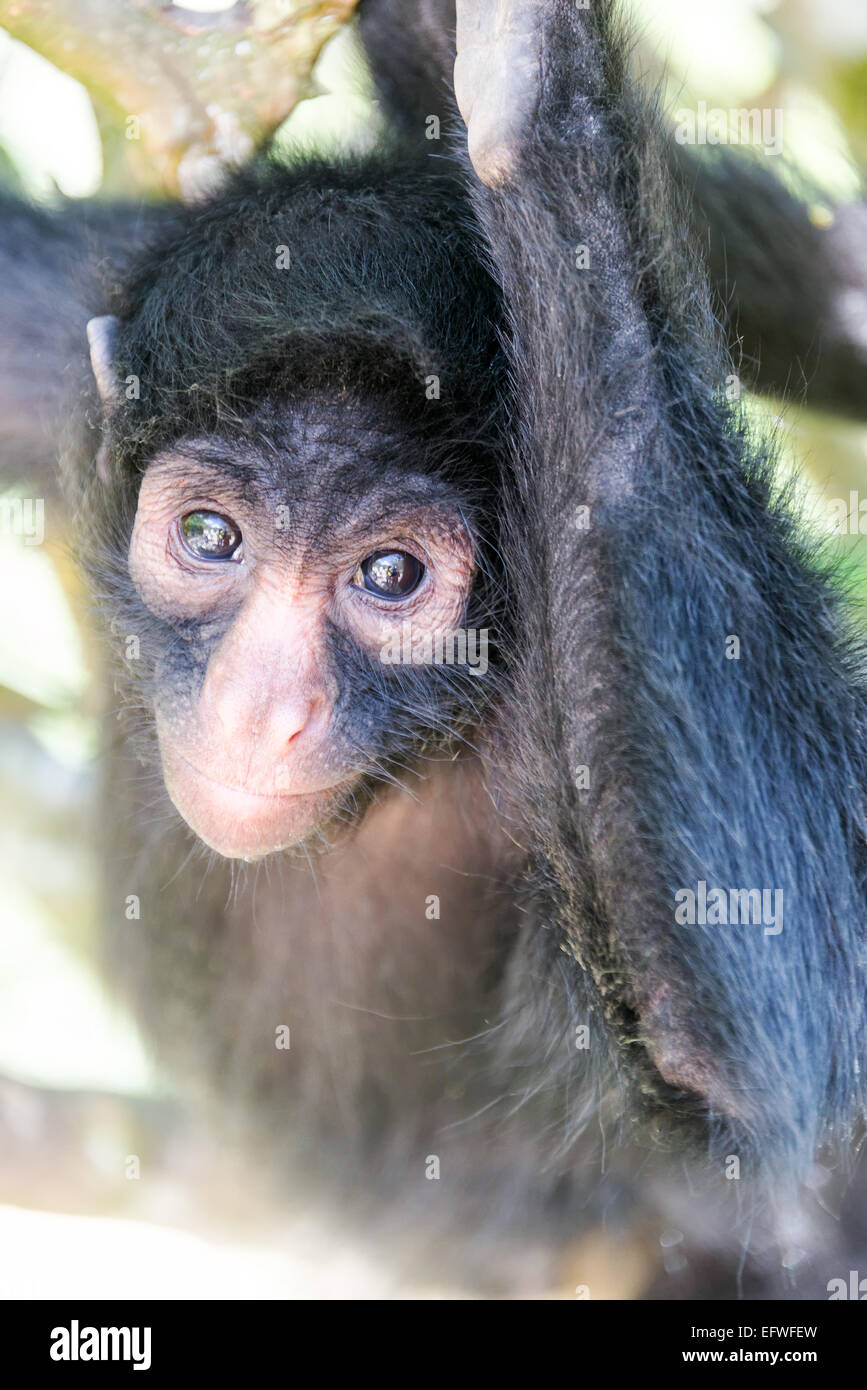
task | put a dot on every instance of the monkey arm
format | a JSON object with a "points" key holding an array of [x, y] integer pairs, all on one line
{"points": [[56, 268], [685, 708], [793, 294], [40, 332]]}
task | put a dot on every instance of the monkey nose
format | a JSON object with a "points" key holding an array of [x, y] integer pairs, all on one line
{"points": [[255, 719], [290, 723], [279, 727]]}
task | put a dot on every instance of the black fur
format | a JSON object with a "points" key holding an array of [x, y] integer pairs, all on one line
{"points": [[562, 388], [783, 283], [701, 768]]}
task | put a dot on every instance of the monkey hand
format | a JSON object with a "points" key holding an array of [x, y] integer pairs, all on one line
{"points": [[497, 80]]}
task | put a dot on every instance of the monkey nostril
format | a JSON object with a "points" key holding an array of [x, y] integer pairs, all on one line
{"points": [[301, 720]]}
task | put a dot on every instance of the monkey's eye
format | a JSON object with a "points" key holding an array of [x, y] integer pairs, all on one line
{"points": [[209, 536], [389, 574]]}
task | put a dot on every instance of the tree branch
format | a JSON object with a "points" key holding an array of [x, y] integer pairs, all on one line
{"points": [[193, 93]]}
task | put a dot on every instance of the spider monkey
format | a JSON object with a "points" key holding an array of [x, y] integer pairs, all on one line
{"points": [[503, 735]]}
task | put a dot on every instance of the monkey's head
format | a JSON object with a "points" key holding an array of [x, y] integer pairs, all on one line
{"points": [[293, 584], [293, 506]]}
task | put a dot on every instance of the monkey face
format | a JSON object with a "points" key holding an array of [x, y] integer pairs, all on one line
{"points": [[278, 685]]}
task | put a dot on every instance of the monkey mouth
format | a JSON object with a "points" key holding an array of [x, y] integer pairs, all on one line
{"points": [[236, 822], [246, 791]]}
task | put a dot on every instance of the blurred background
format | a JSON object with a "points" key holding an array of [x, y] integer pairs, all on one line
{"points": [[111, 97]]}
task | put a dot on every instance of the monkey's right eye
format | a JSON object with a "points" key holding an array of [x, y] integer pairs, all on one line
{"points": [[209, 536]]}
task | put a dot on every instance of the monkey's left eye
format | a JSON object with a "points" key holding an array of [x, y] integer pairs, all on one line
{"points": [[389, 574], [209, 536]]}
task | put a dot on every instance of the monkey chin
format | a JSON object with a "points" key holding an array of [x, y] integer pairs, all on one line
{"points": [[240, 824]]}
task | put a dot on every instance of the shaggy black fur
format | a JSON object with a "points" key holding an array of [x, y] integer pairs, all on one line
{"points": [[627, 528], [786, 287], [702, 768]]}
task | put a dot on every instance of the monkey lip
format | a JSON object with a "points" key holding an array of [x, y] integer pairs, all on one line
{"points": [[237, 823]]}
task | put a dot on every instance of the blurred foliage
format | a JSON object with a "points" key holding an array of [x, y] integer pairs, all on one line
{"points": [[849, 90]]}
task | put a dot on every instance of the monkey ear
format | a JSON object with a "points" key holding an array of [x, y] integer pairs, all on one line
{"points": [[102, 338]]}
